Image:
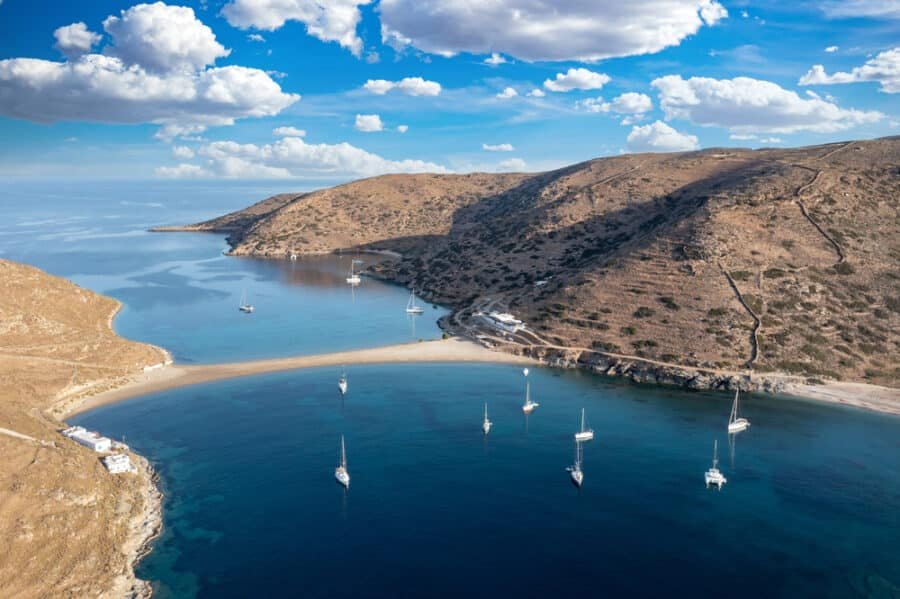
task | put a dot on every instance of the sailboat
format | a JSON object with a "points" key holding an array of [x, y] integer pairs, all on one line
{"points": [[244, 306], [735, 424], [585, 434], [411, 307], [713, 476], [342, 382], [353, 278], [575, 469], [529, 406], [486, 425], [340, 473]]}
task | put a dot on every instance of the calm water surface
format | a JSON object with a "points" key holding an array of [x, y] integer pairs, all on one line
{"points": [[811, 507]]}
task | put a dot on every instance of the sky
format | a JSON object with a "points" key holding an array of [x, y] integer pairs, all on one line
{"points": [[316, 92]]}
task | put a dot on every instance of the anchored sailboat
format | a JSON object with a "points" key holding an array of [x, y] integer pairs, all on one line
{"points": [[713, 476], [735, 424], [585, 434], [486, 425], [353, 278], [529, 406], [340, 473], [342, 382], [244, 306], [411, 307], [575, 469]]}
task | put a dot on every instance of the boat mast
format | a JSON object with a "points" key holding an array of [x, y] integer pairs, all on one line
{"points": [[715, 453], [527, 388], [343, 454], [734, 406], [582, 419]]}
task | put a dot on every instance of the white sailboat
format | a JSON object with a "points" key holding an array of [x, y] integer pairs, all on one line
{"points": [[340, 473], [244, 306], [353, 278], [486, 425], [575, 469], [411, 307], [342, 382], [585, 434], [713, 476], [529, 406], [735, 424]]}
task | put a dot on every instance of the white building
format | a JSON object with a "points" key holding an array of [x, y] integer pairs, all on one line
{"points": [[118, 463], [504, 321], [88, 438]]}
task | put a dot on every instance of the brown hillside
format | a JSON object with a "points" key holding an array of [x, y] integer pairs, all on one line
{"points": [[783, 259]]}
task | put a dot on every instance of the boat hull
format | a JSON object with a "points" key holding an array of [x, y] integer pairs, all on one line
{"points": [[577, 477], [486, 427], [415, 311], [342, 387], [741, 424], [585, 436], [714, 479], [342, 477]]}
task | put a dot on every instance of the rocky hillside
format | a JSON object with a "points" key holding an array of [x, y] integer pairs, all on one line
{"points": [[68, 526], [783, 260]]}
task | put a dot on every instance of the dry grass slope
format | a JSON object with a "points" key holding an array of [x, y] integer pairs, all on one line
{"points": [[637, 252]]}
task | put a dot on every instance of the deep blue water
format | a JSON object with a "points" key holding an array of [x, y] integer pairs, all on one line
{"points": [[179, 291], [811, 507], [435, 509]]}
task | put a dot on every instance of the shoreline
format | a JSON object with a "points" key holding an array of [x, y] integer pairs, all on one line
{"points": [[459, 350]]}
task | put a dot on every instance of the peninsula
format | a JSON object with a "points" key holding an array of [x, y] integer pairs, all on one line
{"points": [[696, 269]]}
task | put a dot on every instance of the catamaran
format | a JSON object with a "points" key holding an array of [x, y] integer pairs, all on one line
{"points": [[585, 434], [353, 278], [411, 307], [529, 406], [244, 306], [575, 469], [342, 382], [486, 425], [735, 424], [713, 476], [340, 473]]}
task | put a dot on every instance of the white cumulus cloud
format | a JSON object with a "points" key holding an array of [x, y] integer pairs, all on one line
{"points": [[660, 137], [579, 78], [494, 60], [884, 69], [832, 49], [288, 132], [294, 157], [746, 105], [497, 147], [507, 93], [182, 171], [75, 39], [411, 86], [402, 128], [182, 152], [368, 123], [154, 71], [511, 165], [536, 93], [631, 103], [329, 21], [584, 30], [162, 38]]}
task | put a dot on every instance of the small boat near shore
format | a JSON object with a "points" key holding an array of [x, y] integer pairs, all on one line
{"points": [[244, 306], [342, 382], [486, 425], [575, 472], [585, 434], [713, 477], [735, 423], [353, 278], [529, 405], [340, 473], [411, 307]]}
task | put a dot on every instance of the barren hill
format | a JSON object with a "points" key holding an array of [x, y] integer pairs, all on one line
{"points": [[786, 260], [69, 528]]}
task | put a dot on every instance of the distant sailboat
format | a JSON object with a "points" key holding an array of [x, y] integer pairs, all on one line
{"points": [[585, 434], [411, 307], [529, 406], [486, 425], [735, 424], [713, 476], [575, 469], [244, 306], [340, 473], [342, 382], [353, 278]]}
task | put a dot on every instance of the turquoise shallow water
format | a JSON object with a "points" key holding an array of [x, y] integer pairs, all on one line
{"points": [[435, 509], [811, 507]]}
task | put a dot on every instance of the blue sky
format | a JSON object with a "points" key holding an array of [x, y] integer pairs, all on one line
{"points": [[217, 89]]}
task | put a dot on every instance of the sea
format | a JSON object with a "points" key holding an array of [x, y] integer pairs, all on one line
{"points": [[435, 508]]}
